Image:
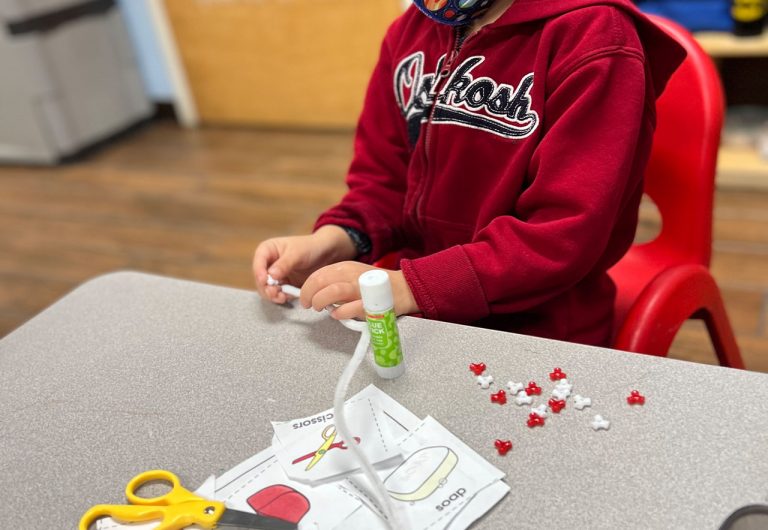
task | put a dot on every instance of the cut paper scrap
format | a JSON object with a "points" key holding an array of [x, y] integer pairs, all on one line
{"points": [[310, 450], [440, 479], [398, 419]]}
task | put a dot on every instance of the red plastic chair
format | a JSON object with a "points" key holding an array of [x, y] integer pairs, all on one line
{"points": [[664, 282]]}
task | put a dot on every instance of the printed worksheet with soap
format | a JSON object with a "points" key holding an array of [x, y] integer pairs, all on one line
{"points": [[440, 479]]}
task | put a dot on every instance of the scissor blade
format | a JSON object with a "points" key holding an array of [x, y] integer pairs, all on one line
{"points": [[252, 520]]}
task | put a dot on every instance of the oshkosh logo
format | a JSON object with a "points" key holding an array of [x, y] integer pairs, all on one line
{"points": [[478, 103]]}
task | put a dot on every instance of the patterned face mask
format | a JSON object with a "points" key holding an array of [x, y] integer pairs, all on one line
{"points": [[453, 12]]}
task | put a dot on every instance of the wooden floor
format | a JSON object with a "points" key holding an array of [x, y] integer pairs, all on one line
{"points": [[194, 204]]}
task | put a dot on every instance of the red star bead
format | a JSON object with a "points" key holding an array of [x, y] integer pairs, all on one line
{"points": [[534, 420], [635, 398], [557, 375], [503, 446], [556, 405], [477, 368], [499, 397], [532, 389]]}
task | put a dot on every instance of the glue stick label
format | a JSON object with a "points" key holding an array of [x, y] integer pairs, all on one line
{"points": [[385, 340]]}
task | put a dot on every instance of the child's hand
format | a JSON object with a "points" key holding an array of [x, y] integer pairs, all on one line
{"points": [[292, 259], [337, 284]]}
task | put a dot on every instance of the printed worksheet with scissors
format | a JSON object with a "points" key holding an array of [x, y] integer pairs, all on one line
{"points": [[310, 450]]}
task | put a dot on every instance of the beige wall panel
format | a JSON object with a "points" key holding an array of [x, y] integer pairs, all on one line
{"points": [[302, 63]]}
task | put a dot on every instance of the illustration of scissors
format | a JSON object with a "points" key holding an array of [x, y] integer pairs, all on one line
{"points": [[177, 509], [329, 435]]}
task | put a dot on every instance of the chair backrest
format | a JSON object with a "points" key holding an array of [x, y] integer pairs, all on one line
{"points": [[680, 178]]}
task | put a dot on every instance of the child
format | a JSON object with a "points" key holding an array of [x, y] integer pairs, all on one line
{"points": [[500, 152]]}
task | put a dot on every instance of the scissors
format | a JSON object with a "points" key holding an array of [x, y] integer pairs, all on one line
{"points": [[177, 509], [329, 435]]}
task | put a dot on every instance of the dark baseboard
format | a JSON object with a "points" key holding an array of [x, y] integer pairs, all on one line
{"points": [[162, 112]]}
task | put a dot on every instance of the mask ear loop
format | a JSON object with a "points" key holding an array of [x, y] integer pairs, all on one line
{"points": [[379, 491]]}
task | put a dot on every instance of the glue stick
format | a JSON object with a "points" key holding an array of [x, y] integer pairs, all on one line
{"points": [[379, 306]]}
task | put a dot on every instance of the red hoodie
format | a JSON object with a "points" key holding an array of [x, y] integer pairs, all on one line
{"points": [[512, 191]]}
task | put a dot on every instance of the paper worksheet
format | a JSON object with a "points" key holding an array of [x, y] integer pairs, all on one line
{"points": [[435, 480], [310, 449], [483, 501], [271, 492], [442, 483]]}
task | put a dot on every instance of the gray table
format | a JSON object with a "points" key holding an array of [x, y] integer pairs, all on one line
{"points": [[132, 372]]}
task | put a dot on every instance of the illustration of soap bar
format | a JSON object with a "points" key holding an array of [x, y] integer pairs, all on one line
{"points": [[421, 474], [280, 501]]}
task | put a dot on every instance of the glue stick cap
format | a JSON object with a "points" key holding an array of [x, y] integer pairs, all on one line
{"points": [[376, 291]]}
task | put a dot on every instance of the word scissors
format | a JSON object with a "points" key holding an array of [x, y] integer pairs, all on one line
{"points": [[177, 509], [329, 435]]}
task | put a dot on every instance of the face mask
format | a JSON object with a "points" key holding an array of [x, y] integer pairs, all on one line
{"points": [[453, 12]]}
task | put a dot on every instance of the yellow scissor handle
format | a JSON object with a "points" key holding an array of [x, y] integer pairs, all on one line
{"points": [[177, 509], [177, 495], [173, 517]]}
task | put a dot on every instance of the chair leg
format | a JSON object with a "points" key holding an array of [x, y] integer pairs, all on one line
{"points": [[721, 332], [675, 295]]}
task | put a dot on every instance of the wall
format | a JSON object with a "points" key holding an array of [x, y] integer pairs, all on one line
{"points": [[293, 63]]}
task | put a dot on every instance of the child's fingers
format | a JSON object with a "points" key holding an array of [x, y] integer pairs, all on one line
{"points": [[344, 272], [335, 293], [274, 294], [281, 298], [352, 309], [282, 266], [265, 254]]}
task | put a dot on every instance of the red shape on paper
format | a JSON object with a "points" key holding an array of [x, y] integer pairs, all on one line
{"points": [[532, 389], [281, 502], [635, 398], [477, 368], [557, 374], [503, 446], [556, 405], [499, 397], [534, 420]]}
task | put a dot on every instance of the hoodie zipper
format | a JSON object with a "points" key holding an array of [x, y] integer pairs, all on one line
{"points": [[445, 72]]}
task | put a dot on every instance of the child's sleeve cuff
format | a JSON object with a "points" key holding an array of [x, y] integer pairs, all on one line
{"points": [[446, 287]]}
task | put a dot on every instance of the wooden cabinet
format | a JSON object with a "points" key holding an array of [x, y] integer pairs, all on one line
{"points": [[294, 63]]}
